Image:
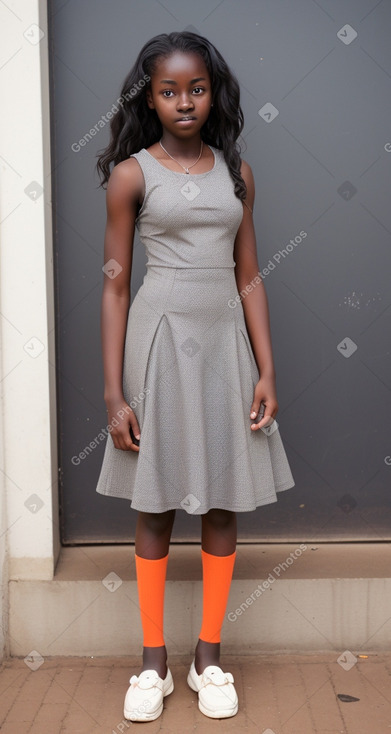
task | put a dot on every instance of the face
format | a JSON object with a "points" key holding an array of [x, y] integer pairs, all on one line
{"points": [[180, 88]]}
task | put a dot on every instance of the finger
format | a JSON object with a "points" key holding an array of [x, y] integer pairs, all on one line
{"points": [[258, 411], [125, 443], [119, 439], [135, 426], [267, 420], [130, 445], [115, 442], [118, 442]]}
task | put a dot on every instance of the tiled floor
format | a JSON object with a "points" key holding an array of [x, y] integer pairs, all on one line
{"points": [[278, 694]]}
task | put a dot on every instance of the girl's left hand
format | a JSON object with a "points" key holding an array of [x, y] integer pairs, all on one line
{"points": [[264, 392]]}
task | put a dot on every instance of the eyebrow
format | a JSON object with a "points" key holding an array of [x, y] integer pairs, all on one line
{"points": [[172, 81]]}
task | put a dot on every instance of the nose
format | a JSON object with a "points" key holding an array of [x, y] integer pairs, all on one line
{"points": [[184, 101]]}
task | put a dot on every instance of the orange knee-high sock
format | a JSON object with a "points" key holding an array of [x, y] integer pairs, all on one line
{"points": [[216, 576], [151, 578]]}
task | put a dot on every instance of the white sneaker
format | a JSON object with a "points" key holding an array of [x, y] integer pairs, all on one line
{"points": [[217, 697], [144, 697]]}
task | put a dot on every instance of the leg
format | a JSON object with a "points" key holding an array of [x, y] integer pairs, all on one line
{"points": [[153, 533], [219, 532]]}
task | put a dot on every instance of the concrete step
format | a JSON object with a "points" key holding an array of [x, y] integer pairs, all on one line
{"points": [[283, 597]]}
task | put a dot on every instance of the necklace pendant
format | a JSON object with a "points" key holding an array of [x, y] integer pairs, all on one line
{"points": [[186, 170]]}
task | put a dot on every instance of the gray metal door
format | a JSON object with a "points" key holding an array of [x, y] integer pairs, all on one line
{"points": [[315, 80]]}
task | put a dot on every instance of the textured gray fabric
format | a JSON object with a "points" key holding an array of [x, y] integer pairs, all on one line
{"points": [[188, 355]]}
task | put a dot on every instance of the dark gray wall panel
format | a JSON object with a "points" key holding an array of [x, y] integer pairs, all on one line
{"points": [[321, 166]]}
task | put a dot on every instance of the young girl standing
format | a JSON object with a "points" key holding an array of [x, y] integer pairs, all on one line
{"points": [[188, 366]]}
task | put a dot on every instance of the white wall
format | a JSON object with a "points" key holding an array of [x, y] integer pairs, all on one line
{"points": [[3, 540], [29, 462]]}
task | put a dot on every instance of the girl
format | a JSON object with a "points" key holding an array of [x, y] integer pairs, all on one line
{"points": [[188, 367]]}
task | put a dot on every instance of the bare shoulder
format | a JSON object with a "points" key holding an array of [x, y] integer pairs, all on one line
{"points": [[246, 170], [247, 175], [126, 181]]}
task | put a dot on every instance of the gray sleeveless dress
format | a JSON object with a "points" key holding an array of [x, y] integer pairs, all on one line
{"points": [[189, 369]]}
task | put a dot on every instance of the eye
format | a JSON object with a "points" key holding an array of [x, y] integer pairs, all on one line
{"points": [[201, 89], [167, 90]]}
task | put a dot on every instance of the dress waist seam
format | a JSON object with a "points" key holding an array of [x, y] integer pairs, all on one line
{"points": [[192, 267]]}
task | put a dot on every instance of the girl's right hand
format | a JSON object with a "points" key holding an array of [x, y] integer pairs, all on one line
{"points": [[121, 417]]}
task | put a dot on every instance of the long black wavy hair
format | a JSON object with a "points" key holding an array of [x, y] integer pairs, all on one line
{"points": [[134, 125]]}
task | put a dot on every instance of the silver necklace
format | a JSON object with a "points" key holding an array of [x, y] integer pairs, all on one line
{"points": [[186, 169]]}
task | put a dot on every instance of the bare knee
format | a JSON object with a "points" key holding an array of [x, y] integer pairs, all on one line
{"points": [[219, 519], [157, 522], [153, 533], [219, 532]]}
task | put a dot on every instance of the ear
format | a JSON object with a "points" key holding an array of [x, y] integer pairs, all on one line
{"points": [[149, 99]]}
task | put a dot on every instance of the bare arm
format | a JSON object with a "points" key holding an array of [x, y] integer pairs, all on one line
{"points": [[255, 303], [123, 193]]}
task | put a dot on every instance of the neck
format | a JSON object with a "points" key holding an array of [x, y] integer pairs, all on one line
{"points": [[187, 149]]}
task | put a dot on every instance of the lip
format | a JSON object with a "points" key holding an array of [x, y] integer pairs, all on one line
{"points": [[183, 120]]}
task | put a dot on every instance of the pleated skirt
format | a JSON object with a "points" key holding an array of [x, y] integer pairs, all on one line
{"points": [[189, 375]]}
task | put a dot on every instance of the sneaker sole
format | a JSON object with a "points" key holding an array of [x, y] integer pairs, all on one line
{"points": [[223, 714]]}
